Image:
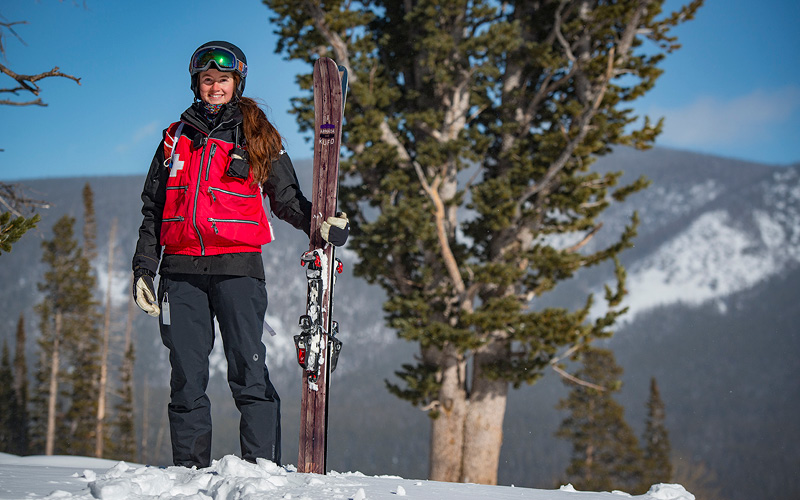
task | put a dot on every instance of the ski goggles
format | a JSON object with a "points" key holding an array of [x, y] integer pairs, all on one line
{"points": [[222, 58]]}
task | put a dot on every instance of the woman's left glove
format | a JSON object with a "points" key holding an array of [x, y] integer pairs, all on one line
{"points": [[335, 230], [144, 293]]}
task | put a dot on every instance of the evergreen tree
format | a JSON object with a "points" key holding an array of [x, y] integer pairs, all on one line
{"points": [[40, 395], [84, 346], [8, 403], [68, 347], [125, 445], [605, 452], [657, 449], [21, 390], [17, 217], [12, 229], [89, 224], [471, 126]]}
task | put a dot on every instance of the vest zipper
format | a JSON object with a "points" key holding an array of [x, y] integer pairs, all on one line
{"points": [[196, 193], [210, 157], [173, 219], [214, 197], [197, 188], [213, 222]]}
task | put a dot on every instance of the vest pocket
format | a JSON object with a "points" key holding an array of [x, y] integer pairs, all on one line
{"points": [[213, 191], [226, 232]]}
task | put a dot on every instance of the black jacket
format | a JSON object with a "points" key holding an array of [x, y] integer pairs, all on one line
{"points": [[282, 187]]}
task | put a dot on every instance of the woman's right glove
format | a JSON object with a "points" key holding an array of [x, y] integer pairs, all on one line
{"points": [[143, 292]]}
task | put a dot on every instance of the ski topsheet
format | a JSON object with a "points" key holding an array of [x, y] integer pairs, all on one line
{"points": [[317, 345]]}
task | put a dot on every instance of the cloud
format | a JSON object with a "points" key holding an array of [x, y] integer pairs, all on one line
{"points": [[713, 122], [146, 132]]}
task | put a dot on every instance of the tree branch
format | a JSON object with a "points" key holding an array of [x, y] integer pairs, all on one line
{"points": [[340, 49], [572, 378], [28, 83], [11, 198], [8, 26], [441, 232], [574, 248], [35, 102]]}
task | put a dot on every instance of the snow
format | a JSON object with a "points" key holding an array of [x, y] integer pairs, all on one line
{"points": [[230, 478], [712, 259]]}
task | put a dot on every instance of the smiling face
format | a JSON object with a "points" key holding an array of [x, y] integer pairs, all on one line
{"points": [[216, 87]]}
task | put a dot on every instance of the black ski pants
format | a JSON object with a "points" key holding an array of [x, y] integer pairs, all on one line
{"points": [[189, 303]]}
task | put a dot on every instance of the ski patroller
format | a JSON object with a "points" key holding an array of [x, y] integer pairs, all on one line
{"points": [[317, 345]]}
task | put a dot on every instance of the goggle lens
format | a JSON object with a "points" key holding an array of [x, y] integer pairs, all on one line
{"points": [[224, 59]]}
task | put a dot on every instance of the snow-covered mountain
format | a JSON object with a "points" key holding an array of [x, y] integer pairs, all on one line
{"points": [[716, 237], [713, 316]]}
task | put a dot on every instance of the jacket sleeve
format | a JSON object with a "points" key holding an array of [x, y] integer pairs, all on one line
{"points": [[286, 200], [154, 194]]}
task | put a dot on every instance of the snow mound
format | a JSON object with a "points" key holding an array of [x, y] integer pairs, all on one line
{"points": [[669, 492], [227, 478]]}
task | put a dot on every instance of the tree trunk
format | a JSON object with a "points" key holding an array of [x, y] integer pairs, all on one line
{"points": [[483, 431], [145, 455], [102, 389], [447, 430], [20, 367], [53, 389]]}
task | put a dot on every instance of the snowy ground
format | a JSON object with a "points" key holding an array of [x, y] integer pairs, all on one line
{"points": [[230, 478]]}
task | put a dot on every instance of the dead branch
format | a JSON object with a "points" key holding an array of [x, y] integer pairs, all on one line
{"points": [[576, 380], [16, 203], [572, 378], [574, 248], [8, 26], [28, 83]]}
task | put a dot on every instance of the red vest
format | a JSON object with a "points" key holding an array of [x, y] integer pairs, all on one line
{"points": [[206, 211]]}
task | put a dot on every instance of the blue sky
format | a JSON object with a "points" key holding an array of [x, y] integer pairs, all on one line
{"points": [[733, 89]]}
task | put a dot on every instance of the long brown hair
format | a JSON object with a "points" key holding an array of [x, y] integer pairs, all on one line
{"points": [[264, 143]]}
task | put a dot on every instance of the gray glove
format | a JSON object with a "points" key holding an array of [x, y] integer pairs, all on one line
{"points": [[144, 294], [335, 230]]}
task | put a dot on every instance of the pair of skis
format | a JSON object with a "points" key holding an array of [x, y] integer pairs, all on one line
{"points": [[317, 346]]}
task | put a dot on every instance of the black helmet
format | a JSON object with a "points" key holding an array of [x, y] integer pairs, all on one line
{"points": [[225, 56]]}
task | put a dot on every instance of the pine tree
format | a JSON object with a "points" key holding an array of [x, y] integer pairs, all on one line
{"points": [[89, 224], [66, 398], [657, 449], [605, 452], [21, 390], [471, 127], [40, 442], [17, 217], [12, 229], [125, 447], [85, 345]]}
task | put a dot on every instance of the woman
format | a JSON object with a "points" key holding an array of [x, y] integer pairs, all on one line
{"points": [[202, 202]]}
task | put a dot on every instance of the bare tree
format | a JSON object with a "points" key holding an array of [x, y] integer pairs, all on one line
{"points": [[23, 83]]}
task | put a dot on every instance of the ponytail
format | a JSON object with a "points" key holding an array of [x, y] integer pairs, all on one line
{"points": [[264, 143]]}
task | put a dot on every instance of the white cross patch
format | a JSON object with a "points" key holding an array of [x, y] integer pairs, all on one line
{"points": [[175, 165]]}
